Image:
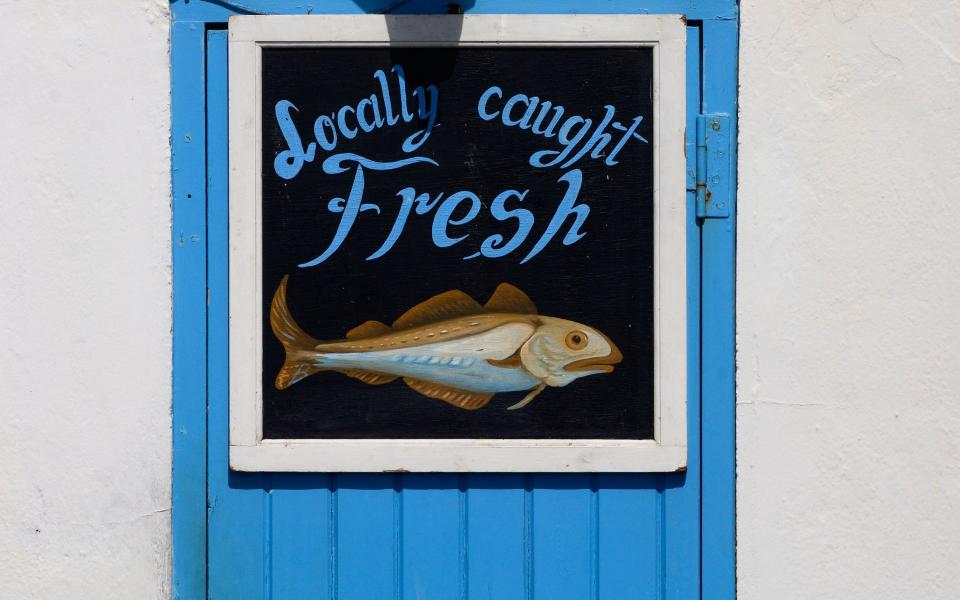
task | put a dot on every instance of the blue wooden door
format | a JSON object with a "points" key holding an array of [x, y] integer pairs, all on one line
{"points": [[444, 536]]}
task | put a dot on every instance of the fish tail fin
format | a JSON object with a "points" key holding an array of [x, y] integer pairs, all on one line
{"points": [[300, 361]]}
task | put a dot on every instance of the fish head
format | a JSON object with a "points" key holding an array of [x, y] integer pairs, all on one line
{"points": [[562, 351]]}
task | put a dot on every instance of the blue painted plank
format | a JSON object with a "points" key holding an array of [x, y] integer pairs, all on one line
{"points": [[433, 552], [220, 10], [302, 539], [189, 313], [719, 264], [498, 537], [681, 491], [239, 508], [564, 520], [237, 558], [695, 10], [628, 539], [369, 514]]}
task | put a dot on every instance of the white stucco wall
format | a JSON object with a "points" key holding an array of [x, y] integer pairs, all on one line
{"points": [[848, 347], [848, 416], [84, 300]]}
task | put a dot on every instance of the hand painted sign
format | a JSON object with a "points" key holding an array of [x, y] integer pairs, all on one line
{"points": [[394, 176], [457, 242]]}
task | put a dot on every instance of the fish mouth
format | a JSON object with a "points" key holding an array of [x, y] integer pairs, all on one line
{"points": [[603, 364]]}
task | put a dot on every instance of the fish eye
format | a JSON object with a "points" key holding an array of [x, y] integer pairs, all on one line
{"points": [[576, 340]]}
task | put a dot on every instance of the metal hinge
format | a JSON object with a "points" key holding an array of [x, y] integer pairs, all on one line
{"points": [[713, 177]]}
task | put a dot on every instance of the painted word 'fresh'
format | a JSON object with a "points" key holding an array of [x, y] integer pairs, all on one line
{"points": [[466, 205]]}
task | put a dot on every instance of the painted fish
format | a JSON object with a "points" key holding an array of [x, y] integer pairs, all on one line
{"points": [[453, 349]]}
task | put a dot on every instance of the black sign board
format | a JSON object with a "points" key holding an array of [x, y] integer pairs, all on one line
{"points": [[393, 176]]}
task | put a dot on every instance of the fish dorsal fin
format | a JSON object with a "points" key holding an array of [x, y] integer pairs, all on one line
{"points": [[509, 299], [368, 330], [442, 306], [464, 399]]}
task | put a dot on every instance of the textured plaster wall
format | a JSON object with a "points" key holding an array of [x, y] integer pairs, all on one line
{"points": [[848, 416], [849, 378], [84, 300]]}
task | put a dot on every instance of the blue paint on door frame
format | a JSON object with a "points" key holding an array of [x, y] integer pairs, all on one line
{"points": [[260, 503], [189, 310]]}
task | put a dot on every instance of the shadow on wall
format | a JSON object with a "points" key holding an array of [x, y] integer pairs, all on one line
{"points": [[414, 7], [403, 30], [399, 30]]}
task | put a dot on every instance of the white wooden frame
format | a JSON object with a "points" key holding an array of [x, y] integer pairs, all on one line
{"points": [[666, 452]]}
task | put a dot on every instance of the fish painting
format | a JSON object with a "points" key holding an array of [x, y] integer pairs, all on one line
{"points": [[452, 348]]}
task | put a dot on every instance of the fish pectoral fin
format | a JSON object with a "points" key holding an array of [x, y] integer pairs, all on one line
{"points": [[368, 330], [510, 299], [529, 397], [371, 377], [464, 399], [511, 362], [442, 306]]}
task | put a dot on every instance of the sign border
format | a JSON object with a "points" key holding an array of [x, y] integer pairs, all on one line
{"points": [[667, 451]]}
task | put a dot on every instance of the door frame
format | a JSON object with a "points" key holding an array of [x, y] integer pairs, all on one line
{"points": [[711, 263]]}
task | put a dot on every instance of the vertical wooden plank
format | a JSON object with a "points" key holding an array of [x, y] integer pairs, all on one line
{"points": [[189, 312], [238, 504], [719, 268], [301, 540], [433, 534], [680, 500], [498, 537], [564, 537], [369, 537], [237, 540], [629, 537]]}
